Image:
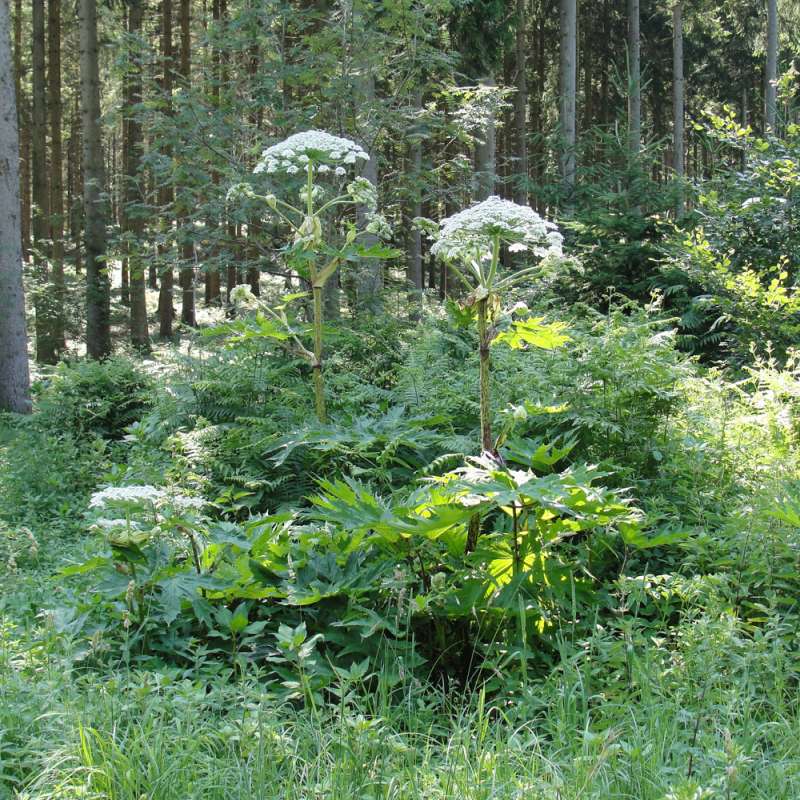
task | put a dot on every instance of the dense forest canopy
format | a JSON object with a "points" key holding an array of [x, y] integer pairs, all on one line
{"points": [[399, 399]]}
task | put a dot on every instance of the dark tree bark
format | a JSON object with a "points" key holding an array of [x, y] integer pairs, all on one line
{"points": [[47, 343], [212, 277], [568, 76], [677, 102], [166, 312], [771, 76], [634, 80], [24, 135], [98, 326], [14, 376], [521, 107], [76, 184], [414, 264], [187, 273], [56, 168], [133, 196]]}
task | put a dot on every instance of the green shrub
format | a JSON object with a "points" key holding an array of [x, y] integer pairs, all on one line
{"points": [[93, 398]]}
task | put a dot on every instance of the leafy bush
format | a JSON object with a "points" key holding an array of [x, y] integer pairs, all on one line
{"points": [[46, 475], [733, 275], [94, 398]]}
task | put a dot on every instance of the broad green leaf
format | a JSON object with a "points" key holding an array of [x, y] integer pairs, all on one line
{"points": [[535, 332]]}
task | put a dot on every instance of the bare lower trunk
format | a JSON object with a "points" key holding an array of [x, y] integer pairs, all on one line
{"points": [[24, 141], [370, 270], [567, 72], [520, 109], [486, 155], [677, 103], [166, 311], [98, 328], [47, 339], [634, 80], [771, 76], [134, 200], [414, 265], [14, 378], [56, 168], [187, 273]]}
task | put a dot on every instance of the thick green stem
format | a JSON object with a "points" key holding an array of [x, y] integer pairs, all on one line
{"points": [[319, 389], [483, 353]]}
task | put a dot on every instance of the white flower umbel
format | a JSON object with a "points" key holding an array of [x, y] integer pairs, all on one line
{"points": [[472, 232], [126, 494], [318, 148]]}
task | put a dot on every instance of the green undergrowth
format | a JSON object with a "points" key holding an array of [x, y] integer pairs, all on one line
{"points": [[299, 611]]}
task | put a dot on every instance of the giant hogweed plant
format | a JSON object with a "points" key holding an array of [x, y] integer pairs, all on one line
{"points": [[470, 242], [316, 155]]}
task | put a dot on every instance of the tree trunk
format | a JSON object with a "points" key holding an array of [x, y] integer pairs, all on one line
{"points": [[567, 74], [520, 108], [770, 90], [76, 183], [56, 167], [370, 270], [187, 275], [634, 80], [98, 327], [134, 200], [486, 153], [14, 376], [212, 293], [44, 300], [677, 102], [414, 264], [24, 135], [166, 312]]}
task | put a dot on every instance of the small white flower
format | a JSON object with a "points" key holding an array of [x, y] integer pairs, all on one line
{"points": [[292, 169], [363, 192], [340, 171], [379, 226], [519, 308], [239, 191], [242, 295], [183, 502], [322, 168], [362, 155], [350, 158], [517, 247]]}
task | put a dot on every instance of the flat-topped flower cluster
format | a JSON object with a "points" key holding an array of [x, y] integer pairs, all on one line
{"points": [[474, 230], [126, 494], [140, 495], [322, 150]]}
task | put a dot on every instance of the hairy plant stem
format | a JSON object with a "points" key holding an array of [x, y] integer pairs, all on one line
{"points": [[319, 388], [487, 444], [316, 290], [483, 352]]}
